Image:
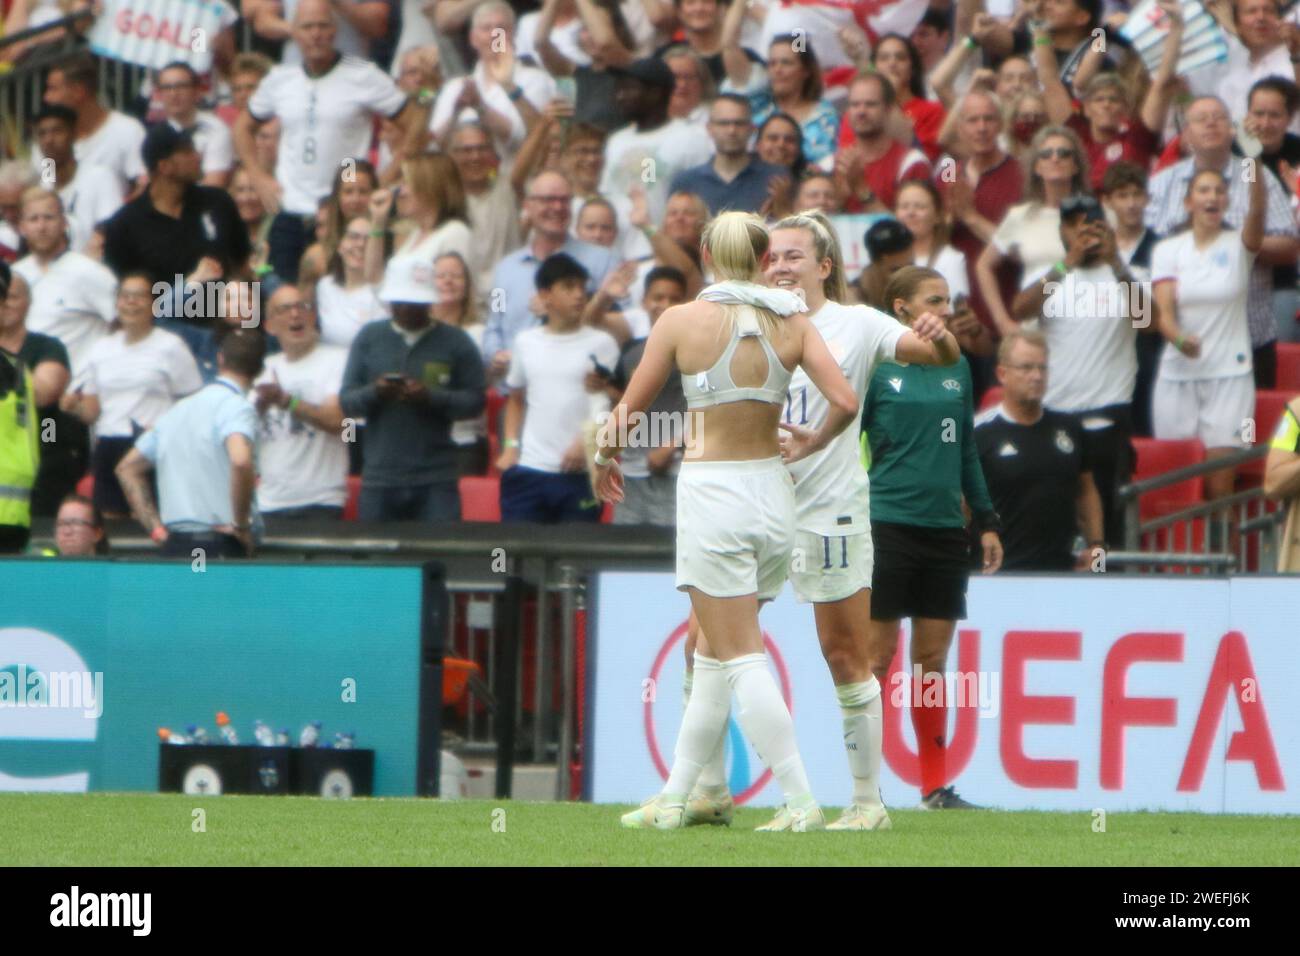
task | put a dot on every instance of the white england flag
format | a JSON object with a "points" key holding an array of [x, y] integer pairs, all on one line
{"points": [[154, 33], [821, 20]]}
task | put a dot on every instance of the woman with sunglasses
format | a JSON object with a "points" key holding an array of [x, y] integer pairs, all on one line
{"points": [[132, 377], [1030, 235], [922, 549]]}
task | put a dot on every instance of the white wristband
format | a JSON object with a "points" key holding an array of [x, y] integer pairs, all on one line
{"points": [[601, 460]]}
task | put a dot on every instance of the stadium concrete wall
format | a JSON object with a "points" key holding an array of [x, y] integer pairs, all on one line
{"points": [[169, 646], [1077, 693]]}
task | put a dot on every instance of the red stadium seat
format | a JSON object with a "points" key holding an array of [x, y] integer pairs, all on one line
{"points": [[86, 487], [480, 498], [1156, 457], [1288, 366], [991, 397], [354, 498]]}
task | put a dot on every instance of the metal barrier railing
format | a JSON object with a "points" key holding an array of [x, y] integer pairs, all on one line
{"points": [[1229, 530], [22, 85]]}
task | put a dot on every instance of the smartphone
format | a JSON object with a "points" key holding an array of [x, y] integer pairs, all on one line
{"points": [[395, 378], [600, 369], [959, 303]]}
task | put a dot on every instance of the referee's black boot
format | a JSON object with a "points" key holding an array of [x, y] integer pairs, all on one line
{"points": [[945, 798]]}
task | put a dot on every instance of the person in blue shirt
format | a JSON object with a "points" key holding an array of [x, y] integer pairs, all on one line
{"points": [[734, 178], [203, 450]]}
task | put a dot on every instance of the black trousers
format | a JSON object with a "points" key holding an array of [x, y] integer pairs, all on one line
{"points": [[1110, 449], [1265, 360], [181, 544]]}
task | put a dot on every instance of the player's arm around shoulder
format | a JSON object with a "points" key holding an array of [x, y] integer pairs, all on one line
{"points": [[928, 342]]}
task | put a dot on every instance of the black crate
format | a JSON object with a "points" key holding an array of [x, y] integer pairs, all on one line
{"points": [[220, 768], [325, 772]]}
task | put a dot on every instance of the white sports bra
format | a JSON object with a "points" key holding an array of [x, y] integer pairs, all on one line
{"points": [[716, 387]]}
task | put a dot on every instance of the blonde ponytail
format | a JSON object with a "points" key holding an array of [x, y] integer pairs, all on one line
{"points": [[737, 243]]}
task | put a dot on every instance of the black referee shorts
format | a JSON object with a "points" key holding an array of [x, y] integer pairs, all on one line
{"points": [[919, 572]]}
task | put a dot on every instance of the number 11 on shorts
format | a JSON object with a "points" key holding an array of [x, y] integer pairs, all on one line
{"points": [[826, 552]]}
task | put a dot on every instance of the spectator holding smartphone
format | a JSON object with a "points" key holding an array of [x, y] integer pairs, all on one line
{"points": [[1088, 306], [411, 378]]}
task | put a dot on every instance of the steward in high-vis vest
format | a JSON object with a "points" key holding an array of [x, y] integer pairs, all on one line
{"points": [[19, 444]]}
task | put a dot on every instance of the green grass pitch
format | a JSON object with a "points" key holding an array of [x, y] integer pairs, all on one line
{"points": [[158, 830]]}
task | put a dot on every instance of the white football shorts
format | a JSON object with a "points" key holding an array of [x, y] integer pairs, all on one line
{"points": [[735, 527]]}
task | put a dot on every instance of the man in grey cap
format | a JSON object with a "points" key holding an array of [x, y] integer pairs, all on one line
{"points": [[645, 155], [410, 378]]}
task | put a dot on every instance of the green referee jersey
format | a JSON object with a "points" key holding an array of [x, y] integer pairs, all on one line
{"points": [[918, 445]]}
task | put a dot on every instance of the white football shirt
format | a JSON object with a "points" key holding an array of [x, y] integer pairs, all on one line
{"points": [[1211, 287], [343, 312], [115, 146], [73, 299], [830, 487], [323, 121], [93, 196], [137, 382], [552, 367], [1091, 339], [299, 464]]}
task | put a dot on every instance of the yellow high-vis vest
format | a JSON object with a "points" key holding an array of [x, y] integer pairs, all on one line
{"points": [[20, 450]]}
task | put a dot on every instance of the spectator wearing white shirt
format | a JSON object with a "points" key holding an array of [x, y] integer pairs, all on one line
{"points": [[554, 383], [1200, 277], [458, 305], [90, 194], [491, 200], [1264, 45], [104, 137], [499, 91], [920, 208], [132, 377], [326, 107], [178, 85], [650, 143], [431, 202], [345, 300], [73, 296], [1089, 306], [302, 457], [1209, 134]]}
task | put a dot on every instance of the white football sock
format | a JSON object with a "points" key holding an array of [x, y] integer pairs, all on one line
{"points": [[702, 725], [713, 778], [863, 736], [766, 721]]}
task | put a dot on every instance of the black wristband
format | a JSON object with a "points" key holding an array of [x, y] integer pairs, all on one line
{"points": [[988, 521]]}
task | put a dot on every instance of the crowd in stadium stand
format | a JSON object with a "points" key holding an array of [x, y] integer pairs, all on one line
{"points": [[456, 221]]}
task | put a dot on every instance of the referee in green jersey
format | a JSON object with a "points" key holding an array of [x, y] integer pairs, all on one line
{"points": [[919, 442]]}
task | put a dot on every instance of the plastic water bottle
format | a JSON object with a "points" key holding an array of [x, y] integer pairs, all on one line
{"points": [[344, 741], [310, 734], [198, 735], [227, 729], [263, 734], [282, 738], [170, 737]]}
